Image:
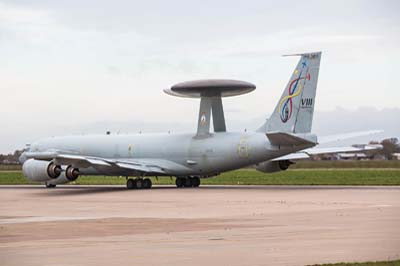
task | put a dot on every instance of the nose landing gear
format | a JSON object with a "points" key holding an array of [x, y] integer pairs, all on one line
{"points": [[48, 185]]}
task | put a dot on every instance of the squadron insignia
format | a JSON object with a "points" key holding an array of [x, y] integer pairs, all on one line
{"points": [[203, 119]]}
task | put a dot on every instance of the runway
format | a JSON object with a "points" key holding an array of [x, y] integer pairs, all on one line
{"points": [[210, 225]]}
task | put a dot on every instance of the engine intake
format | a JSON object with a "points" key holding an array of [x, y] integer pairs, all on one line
{"points": [[53, 170], [72, 173]]}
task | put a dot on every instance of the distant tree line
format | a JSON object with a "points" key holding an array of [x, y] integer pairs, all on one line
{"points": [[11, 158], [390, 146]]}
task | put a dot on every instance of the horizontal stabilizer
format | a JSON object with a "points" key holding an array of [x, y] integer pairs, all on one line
{"points": [[283, 138], [328, 150], [343, 136], [306, 154]]}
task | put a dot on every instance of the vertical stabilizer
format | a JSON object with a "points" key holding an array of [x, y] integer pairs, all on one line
{"points": [[295, 109]]}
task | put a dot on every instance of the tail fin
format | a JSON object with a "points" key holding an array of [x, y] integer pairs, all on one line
{"points": [[295, 109]]}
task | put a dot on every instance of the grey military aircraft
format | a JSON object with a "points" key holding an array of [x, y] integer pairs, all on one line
{"points": [[284, 137]]}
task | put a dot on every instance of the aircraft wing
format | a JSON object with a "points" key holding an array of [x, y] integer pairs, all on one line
{"points": [[154, 166], [307, 153]]}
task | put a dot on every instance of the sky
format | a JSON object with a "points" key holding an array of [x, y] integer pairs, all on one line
{"points": [[77, 67]]}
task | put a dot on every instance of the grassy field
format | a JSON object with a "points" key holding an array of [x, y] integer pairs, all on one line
{"points": [[10, 167], [339, 176], [377, 263]]}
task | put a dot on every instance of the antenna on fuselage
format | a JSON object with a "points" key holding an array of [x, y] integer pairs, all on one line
{"points": [[210, 93]]}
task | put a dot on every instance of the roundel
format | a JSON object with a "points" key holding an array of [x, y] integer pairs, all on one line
{"points": [[203, 119]]}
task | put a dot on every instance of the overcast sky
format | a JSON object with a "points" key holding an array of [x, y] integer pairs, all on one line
{"points": [[68, 64]]}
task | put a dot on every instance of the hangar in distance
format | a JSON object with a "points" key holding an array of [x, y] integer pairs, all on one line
{"points": [[284, 137]]}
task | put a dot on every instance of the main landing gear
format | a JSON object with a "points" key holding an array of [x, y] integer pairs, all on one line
{"points": [[146, 183], [187, 181], [138, 183]]}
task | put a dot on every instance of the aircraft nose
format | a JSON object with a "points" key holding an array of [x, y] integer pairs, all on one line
{"points": [[22, 158]]}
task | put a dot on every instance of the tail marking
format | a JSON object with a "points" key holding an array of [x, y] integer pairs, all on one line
{"points": [[286, 104]]}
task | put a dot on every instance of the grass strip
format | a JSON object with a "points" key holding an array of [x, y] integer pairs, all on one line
{"points": [[251, 177]]}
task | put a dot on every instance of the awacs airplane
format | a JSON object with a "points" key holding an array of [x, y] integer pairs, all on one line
{"points": [[190, 157]]}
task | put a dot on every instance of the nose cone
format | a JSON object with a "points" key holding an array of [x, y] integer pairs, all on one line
{"points": [[22, 158]]}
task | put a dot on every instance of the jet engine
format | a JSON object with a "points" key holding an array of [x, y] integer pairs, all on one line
{"points": [[274, 166], [37, 170], [49, 172]]}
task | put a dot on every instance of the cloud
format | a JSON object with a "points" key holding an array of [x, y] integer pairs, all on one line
{"points": [[113, 70], [301, 40], [84, 61], [22, 24], [18, 15]]}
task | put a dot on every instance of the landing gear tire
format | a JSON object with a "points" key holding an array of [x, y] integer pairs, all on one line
{"points": [[50, 185], [131, 183], [147, 183], [180, 182], [195, 181]]}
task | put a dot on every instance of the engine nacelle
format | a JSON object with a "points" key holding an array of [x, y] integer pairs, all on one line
{"points": [[37, 170], [49, 172], [275, 166]]}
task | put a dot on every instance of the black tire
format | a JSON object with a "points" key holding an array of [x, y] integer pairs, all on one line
{"points": [[179, 182], [196, 181], [50, 185], [131, 183], [147, 183]]}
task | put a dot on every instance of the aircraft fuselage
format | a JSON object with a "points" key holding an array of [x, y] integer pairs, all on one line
{"points": [[194, 155]]}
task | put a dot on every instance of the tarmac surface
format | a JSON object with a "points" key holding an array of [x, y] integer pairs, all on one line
{"points": [[210, 225]]}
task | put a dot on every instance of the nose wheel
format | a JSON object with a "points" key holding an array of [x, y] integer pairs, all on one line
{"points": [[139, 183], [187, 182], [50, 185]]}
